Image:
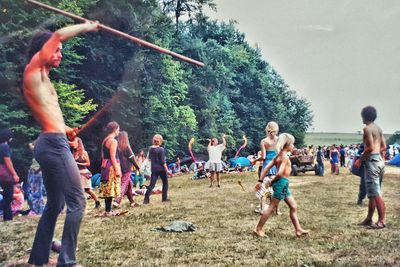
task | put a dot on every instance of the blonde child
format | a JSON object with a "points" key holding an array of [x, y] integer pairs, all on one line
{"points": [[268, 152], [280, 185]]}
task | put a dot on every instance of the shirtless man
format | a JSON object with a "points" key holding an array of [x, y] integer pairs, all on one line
{"points": [[60, 172], [375, 146]]}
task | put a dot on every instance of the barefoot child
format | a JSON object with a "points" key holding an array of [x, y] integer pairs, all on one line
{"points": [[280, 185], [268, 152]]}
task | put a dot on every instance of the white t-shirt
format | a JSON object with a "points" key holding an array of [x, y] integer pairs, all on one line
{"points": [[351, 153], [215, 153]]}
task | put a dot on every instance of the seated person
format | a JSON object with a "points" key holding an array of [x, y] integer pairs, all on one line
{"points": [[238, 168], [185, 169], [199, 172], [18, 199]]}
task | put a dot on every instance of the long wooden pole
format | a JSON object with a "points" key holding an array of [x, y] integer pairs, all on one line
{"points": [[118, 95], [121, 34]]}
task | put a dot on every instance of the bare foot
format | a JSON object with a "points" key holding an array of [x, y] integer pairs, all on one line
{"points": [[258, 233], [52, 261], [134, 204], [302, 232]]}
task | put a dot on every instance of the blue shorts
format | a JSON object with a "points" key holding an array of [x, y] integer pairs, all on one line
{"points": [[281, 188]]}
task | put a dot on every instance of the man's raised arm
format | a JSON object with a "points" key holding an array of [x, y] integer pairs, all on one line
{"points": [[60, 36]]}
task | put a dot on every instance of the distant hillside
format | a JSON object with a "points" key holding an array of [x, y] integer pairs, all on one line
{"points": [[334, 138]]}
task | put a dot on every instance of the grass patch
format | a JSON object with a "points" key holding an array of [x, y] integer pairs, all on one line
{"points": [[321, 139], [225, 218]]}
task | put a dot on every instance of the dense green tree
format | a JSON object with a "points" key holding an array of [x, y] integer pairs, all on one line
{"points": [[237, 92], [18, 22], [189, 8]]}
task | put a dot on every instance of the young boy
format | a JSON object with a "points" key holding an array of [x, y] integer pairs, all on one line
{"points": [[374, 148], [268, 152], [280, 185]]}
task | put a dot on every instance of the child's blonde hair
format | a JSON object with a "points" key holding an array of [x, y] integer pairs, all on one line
{"points": [[272, 127], [284, 140], [157, 139]]}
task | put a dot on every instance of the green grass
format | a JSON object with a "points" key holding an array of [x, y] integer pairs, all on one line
{"points": [[225, 218]]}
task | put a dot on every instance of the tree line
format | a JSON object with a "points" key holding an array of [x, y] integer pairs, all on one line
{"points": [[237, 92]]}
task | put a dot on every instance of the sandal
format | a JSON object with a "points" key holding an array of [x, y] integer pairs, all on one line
{"points": [[365, 223], [376, 226]]}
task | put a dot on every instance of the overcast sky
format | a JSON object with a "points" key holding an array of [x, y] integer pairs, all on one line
{"points": [[340, 55]]}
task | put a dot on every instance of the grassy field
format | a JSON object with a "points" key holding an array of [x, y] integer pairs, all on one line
{"points": [[334, 138], [225, 218]]}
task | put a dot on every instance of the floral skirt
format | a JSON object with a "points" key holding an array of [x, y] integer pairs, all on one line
{"points": [[110, 187]]}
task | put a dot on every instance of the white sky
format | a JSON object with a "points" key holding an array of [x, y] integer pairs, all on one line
{"points": [[340, 55]]}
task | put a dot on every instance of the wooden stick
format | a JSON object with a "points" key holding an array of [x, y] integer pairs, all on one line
{"points": [[241, 186], [121, 34]]}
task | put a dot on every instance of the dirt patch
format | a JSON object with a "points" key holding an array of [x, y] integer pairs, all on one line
{"points": [[392, 170]]}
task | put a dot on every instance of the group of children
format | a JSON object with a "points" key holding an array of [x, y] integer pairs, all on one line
{"points": [[273, 183]]}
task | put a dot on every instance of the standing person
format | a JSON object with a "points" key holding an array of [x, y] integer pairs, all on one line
{"points": [[342, 156], [110, 181], [280, 185], [139, 177], [127, 159], [8, 175], [158, 169], [60, 172], [320, 161], [361, 173], [334, 157], [327, 153], [268, 152], [82, 160], [268, 147], [374, 148], [351, 154], [214, 163]]}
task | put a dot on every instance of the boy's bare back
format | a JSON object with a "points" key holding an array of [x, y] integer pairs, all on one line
{"points": [[373, 138]]}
